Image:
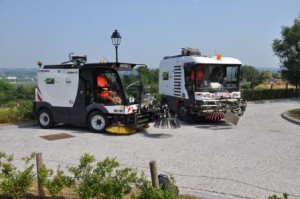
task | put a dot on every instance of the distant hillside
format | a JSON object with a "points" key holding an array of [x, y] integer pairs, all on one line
{"points": [[18, 72], [271, 69]]}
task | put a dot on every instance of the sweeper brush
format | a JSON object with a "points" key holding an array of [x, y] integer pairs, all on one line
{"points": [[166, 121], [120, 129]]}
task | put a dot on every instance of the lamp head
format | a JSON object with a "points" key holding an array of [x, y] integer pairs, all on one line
{"points": [[116, 38]]}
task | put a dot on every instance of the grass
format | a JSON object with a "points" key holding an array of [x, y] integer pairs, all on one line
{"points": [[295, 113]]}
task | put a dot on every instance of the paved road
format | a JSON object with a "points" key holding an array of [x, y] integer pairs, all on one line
{"points": [[257, 158]]}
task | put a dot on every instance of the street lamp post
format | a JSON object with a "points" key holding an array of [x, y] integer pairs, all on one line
{"points": [[116, 40]]}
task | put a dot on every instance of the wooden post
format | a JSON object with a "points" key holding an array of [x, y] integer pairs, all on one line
{"points": [[154, 175], [39, 164]]}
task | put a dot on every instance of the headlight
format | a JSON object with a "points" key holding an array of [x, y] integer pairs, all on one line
{"points": [[131, 99], [236, 94]]}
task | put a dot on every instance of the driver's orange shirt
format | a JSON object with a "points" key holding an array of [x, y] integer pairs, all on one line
{"points": [[199, 75], [102, 82]]}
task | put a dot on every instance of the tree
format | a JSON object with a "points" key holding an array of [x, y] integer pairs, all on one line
{"points": [[150, 78], [288, 50], [266, 75], [252, 75], [277, 75]]}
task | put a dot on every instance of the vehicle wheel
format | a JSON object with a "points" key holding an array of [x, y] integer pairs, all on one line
{"points": [[184, 115], [181, 112], [45, 119], [97, 122]]}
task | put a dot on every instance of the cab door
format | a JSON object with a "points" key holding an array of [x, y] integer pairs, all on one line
{"points": [[78, 113]]}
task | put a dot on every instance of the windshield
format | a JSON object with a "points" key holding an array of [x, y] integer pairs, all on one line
{"points": [[208, 77], [132, 84]]}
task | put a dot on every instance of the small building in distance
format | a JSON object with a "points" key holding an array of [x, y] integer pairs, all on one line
{"points": [[11, 79]]}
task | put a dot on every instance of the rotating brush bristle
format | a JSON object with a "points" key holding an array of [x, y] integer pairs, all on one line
{"points": [[167, 123], [166, 120], [120, 130]]}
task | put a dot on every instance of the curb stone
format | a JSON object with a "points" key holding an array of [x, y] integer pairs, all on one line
{"points": [[285, 116], [21, 124]]}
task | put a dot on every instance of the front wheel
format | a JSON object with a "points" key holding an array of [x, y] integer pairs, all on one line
{"points": [[97, 122], [45, 119]]}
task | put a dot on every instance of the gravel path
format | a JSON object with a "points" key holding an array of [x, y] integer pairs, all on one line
{"points": [[255, 159]]}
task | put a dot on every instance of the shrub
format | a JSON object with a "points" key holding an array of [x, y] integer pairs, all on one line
{"points": [[105, 180], [15, 183], [285, 196], [246, 85], [267, 94], [54, 184], [10, 92], [146, 190], [17, 111]]}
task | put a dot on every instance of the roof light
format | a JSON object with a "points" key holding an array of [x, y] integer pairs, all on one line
{"points": [[219, 56], [40, 63]]}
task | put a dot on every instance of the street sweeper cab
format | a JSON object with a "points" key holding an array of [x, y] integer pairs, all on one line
{"points": [[98, 95], [196, 86]]}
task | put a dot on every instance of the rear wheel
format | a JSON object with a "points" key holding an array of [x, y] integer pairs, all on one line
{"points": [[182, 112], [45, 119], [97, 122]]}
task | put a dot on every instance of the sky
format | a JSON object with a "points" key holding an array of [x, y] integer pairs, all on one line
{"points": [[48, 30]]}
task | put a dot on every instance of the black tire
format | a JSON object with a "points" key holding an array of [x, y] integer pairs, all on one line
{"points": [[181, 112], [45, 119], [97, 122]]}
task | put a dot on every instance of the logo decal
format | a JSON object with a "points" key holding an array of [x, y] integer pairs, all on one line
{"points": [[68, 81], [49, 80], [165, 75]]}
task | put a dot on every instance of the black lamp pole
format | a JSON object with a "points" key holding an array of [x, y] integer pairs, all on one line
{"points": [[116, 40]]}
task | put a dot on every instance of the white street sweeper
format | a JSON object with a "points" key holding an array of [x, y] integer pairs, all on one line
{"points": [[205, 87], [104, 96]]}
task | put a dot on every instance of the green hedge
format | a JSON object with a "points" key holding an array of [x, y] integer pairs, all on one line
{"points": [[88, 180], [17, 111], [250, 94], [11, 92]]}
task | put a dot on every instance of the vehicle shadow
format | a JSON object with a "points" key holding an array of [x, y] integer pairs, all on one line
{"points": [[209, 124], [83, 129], [154, 135]]}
